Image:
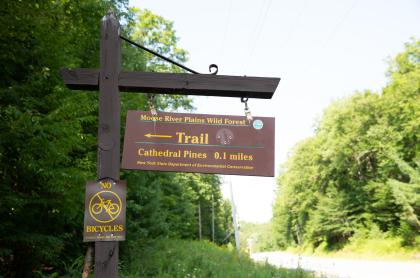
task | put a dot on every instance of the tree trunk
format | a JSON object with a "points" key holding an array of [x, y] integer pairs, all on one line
{"points": [[88, 261]]}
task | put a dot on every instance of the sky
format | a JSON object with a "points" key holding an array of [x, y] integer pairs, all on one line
{"points": [[322, 50]]}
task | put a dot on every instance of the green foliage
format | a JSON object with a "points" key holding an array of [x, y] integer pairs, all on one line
{"points": [[48, 135], [371, 243], [47, 140], [257, 237], [157, 33], [178, 258], [360, 171], [166, 205]]}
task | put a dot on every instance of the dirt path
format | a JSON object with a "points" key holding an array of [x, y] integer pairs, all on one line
{"points": [[342, 268]]}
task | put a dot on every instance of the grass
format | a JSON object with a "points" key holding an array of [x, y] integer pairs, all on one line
{"points": [[380, 248], [374, 248], [180, 258]]}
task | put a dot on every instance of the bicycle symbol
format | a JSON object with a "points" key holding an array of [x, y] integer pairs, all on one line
{"points": [[105, 206]]}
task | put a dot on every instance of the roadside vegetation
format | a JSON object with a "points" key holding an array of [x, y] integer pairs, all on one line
{"points": [[367, 249], [180, 258], [257, 237], [353, 188], [48, 138], [48, 152]]}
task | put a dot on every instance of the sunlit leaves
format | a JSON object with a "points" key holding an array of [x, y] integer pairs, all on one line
{"points": [[359, 170]]}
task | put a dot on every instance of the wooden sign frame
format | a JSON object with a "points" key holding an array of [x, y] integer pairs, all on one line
{"points": [[109, 79]]}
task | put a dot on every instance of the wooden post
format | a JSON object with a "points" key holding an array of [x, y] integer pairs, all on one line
{"points": [[177, 83], [106, 253], [110, 80], [199, 221]]}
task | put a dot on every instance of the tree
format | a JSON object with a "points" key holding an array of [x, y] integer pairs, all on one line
{"points": [[359, 170], [47, 140], [48, 133]]}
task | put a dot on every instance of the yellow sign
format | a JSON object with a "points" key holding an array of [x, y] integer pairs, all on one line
{"points": [[105, 206], [105, 210]]}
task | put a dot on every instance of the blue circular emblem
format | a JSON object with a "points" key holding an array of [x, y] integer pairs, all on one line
{"points": [[258, 124]]}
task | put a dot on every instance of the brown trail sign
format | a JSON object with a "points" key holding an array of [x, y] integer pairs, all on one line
{"points": [[110, 80], [199, 143]]}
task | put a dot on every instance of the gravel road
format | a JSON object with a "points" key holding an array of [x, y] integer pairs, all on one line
{"points": [[342, 268]]}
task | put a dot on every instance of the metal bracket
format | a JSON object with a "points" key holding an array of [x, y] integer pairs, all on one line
{"points": [[247, 110], [212, 66]]}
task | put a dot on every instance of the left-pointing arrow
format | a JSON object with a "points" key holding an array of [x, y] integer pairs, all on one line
{"points": [[149, 135]]}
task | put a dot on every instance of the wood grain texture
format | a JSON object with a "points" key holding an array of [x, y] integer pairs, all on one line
{"points": [[199, 84], [81, 79], [106, 259], [178, 83], [108, 165]]}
